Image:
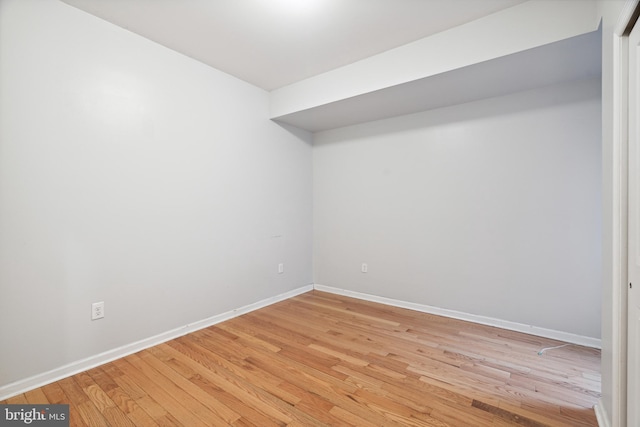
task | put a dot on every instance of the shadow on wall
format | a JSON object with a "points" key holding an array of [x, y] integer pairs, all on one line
{"points": [[303, 135], [517, 102]]}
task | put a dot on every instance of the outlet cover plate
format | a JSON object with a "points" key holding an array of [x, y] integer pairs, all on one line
{"points": [[97, 310]]}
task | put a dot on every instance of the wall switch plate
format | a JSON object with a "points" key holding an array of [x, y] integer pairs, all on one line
{"points": [[280, 268], [365, 267], [97, 310]]}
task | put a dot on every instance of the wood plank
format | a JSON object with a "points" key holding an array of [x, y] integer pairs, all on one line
{"points": [[56, 395], [36, 397], [154, 387], [19, 399], [87, 411], [122, 400], [220, 412]]}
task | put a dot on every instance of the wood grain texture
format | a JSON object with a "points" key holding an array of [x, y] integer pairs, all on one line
{"points": [[325, 360]]}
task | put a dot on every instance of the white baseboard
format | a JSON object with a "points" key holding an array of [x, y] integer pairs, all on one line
{"points": [[73, 368], [601, 414], [490, 321]]}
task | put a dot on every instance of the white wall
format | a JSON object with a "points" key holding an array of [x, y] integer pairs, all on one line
{"points": [[133, 175], [491, 208]]}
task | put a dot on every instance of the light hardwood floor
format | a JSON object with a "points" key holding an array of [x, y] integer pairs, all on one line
{"points": [[320, 359]]}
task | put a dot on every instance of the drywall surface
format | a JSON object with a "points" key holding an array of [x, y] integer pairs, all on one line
{"points": [[570, 59], [133, 175], [491, 208]]}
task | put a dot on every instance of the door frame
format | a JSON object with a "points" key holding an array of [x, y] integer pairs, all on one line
{"points": [[615, 210], [632, 8], [626, 22]]}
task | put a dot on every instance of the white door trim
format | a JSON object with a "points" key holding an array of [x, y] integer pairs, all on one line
{"points": [[618, 255], [620, 217]]}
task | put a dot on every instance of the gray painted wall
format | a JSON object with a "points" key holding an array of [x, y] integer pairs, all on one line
{"points": [[133, 175], [491, 208]]}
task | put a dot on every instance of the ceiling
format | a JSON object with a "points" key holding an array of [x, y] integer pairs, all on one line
{"points": [[273, 43]]}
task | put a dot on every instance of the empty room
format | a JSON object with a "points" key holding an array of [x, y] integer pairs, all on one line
{"points": [[319, 212]]}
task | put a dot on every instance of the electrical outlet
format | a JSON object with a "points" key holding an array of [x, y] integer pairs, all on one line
{"points": [[280, 268], [97, 310], [365, 267]]}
